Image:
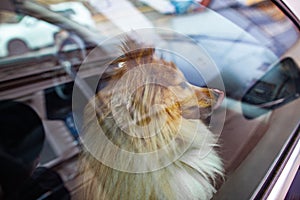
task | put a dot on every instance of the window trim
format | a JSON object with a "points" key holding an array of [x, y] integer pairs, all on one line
{"points": [[289, 7]]}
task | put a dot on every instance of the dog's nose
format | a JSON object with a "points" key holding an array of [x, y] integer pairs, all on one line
{"points": [[209, 97]]}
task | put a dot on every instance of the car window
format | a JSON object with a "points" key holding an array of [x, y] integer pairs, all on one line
{"points": [[56, 55]]}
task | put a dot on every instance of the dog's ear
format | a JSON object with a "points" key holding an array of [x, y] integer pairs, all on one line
{"points": [[134, 53]]}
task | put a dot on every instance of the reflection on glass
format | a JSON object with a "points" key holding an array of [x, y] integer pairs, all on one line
{"points": [[277, 87]]}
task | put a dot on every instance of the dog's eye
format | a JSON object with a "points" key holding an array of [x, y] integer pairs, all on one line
{"points": [[183, 85]]}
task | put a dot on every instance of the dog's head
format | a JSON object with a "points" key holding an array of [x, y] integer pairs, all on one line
{"points": [[145, 81], [147, 96]]}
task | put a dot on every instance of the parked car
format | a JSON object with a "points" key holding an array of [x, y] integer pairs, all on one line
{"points": [[256, 66], [23, 33], [75, 11]]}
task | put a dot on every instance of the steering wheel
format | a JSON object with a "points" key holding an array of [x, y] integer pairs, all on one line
{"points": [[70, 50]]}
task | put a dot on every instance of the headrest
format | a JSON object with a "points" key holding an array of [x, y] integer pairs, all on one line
{"points": [[22, 134]]}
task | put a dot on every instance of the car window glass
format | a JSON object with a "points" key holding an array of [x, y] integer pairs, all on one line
{"points": [[248, 49]]}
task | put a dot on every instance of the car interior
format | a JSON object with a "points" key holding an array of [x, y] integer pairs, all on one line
{"points": [[248, 49]]}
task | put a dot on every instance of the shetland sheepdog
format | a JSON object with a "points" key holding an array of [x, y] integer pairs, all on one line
{"points": [[144, 134]]}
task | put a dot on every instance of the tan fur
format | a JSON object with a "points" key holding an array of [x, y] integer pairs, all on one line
{"points": [[166, 109]]}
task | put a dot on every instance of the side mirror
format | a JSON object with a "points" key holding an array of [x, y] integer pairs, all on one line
{"points": [[279, 86]]}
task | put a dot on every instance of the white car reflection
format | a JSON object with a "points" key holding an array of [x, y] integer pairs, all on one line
{"points": [[25, 35]]}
